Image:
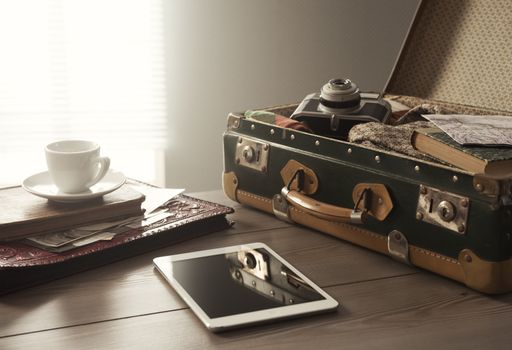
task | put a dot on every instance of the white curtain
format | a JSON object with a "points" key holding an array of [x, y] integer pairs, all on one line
{"points": [[88, 69]]}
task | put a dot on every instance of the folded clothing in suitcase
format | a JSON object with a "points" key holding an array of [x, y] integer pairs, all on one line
{"points": [[444, 219]]}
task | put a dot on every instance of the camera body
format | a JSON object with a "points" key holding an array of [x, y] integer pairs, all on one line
{"points": [[338, 107]]}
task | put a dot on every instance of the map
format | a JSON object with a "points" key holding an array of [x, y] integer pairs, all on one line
{"points": [[488, 130]]}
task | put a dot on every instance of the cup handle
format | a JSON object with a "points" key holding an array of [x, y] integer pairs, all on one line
{"points": [[104, 163]]}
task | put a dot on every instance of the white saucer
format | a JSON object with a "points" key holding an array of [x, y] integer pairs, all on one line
{"points": [[41, 185]]}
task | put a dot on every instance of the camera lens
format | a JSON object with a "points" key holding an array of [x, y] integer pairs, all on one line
{"points": [[340, 82], [250, 261], [340, 93]]}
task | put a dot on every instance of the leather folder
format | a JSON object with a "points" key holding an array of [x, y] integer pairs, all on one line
{"points": [[22, 265]]}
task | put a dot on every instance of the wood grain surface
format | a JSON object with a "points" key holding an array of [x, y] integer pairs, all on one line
{"points": [[384, 304]]}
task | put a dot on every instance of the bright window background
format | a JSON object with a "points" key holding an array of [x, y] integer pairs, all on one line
{"points": [[86, 69]]}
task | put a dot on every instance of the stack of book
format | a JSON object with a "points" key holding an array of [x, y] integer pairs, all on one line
{"points": [[41, 240], [23, 215]]}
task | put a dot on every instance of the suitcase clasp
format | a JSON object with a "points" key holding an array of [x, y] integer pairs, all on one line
{"points": [[252, 154], [398, 247], [442, 208]]}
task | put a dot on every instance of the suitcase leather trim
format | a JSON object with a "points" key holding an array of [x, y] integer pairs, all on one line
{"points": [[486, 276], [230, 185]]}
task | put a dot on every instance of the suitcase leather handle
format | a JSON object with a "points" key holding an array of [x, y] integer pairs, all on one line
{"points": [[320, 209], [300, 181]]}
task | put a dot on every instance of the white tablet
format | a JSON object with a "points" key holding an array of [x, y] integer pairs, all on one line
{"points": [[242, 285]]}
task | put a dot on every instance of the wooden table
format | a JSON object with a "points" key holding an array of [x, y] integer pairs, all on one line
{"points": [[384, 304]]}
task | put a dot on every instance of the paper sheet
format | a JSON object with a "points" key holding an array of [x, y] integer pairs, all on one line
{"points": [[155, 196], [488, 130]]}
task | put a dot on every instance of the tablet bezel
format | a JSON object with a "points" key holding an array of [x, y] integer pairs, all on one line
{"points": [[163, 265]]}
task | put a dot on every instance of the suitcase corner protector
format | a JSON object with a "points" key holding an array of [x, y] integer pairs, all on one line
{"points": [[230, 185], [491, 277]]}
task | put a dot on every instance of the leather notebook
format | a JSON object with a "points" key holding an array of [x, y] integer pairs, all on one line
{"points": [[23, 265]]}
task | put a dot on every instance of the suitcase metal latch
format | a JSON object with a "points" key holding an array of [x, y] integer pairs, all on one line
{"points": [[252, 154], [442, 208]]}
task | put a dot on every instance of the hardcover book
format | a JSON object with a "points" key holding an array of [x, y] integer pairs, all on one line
{"points": [[22, 214], [496, 161]]}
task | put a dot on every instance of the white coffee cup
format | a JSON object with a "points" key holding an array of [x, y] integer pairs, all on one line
{"points": [[75, 165]]}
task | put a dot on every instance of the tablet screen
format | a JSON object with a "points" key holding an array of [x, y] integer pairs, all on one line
{"points": [[224, 285]]}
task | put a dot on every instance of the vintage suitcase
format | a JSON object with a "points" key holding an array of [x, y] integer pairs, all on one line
{"points": [[446, 220]]}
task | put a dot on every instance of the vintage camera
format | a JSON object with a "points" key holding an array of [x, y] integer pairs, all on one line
{"points": [[338, 107]]}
